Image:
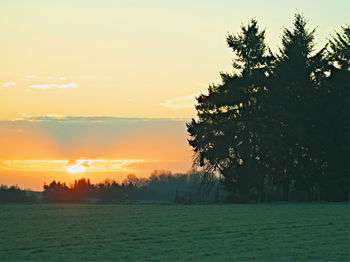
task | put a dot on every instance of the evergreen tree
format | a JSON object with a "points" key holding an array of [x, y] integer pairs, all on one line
{"points": [[227, 136], [283, 117], [294, 91], [334, 129]]}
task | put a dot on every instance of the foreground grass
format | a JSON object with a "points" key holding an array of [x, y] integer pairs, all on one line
{"points": [[267, 232]]}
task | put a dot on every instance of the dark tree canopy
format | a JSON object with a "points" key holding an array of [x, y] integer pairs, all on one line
{"points": [[268, 122], [249, 47], [226, 134]]}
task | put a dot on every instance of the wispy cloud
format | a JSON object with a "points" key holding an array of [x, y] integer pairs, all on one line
{"points": [[5, 163], [69, 85], [47, 86], [31, 76], [43, 86], [181, 102], [56, 116], [34, 81], [8, 84]]}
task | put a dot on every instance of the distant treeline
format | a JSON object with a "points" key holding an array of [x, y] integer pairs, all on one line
{"points": [[14, 194], [161, 186]]}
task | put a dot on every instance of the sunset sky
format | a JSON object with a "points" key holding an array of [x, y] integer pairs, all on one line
{"points": [[101, 89]]}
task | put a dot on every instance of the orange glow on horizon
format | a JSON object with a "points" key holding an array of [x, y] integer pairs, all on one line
{"points": [[76, 166], [33, 174]]}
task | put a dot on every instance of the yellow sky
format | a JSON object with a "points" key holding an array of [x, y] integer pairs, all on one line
{"points": [[130, 58], [133, 59]]}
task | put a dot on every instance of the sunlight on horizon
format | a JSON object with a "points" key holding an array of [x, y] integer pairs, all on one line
{"points": [[34, 173], [73, 166]]}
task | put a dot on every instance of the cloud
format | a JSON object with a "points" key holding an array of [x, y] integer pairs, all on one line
{"points": [[75, 134], [85, 164], [46, 86], [8, 84], [69, 85], [56, 116], [43, 86], [125, 163], [62, 78], [30, 76], [5, 163], [103, 119], [180, 102]]}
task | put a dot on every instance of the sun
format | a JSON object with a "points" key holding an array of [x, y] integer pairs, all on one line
{"points": [[76, 169]]}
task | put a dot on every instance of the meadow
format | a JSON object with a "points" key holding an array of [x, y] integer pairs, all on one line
{"points": [[221, 232]]}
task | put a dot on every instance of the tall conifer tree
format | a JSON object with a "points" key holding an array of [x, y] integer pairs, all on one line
{"points": [[226, 137]]}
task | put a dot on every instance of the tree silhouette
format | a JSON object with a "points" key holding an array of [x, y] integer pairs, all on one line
{"points": [[160, 186], [14, 194], [281, 119], [292, 105], [335, 125], [226, 138]]}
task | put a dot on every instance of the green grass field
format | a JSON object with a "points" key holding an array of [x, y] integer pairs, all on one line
{"points": [[264, 232]]}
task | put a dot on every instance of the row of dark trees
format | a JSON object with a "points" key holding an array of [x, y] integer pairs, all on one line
{"points": [[280, 119], [161, 186], [14, 194]]}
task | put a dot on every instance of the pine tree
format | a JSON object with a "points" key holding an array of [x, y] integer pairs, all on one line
{"points": [[294, 91], [334, 125], [227, 135]]}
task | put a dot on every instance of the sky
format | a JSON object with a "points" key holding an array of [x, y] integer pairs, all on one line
{"points": [[107, 86], [42, 149]]}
